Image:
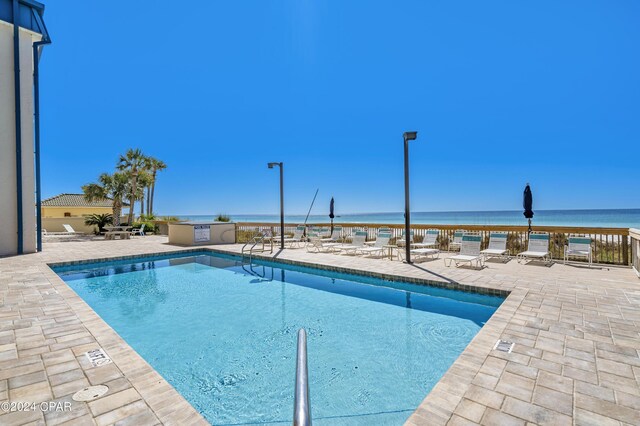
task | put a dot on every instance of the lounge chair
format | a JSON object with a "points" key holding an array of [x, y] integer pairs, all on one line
{"points": [[335, 236], [430, 239], [317, 244], [469, 252], [497, 246], [434, 253], [138, 231], [298, 237], [538, 248], [381, 231], [456, 243], [578, 247], [357, 242], [69, 229], [379, 246], [325, 232], [401, 242]]}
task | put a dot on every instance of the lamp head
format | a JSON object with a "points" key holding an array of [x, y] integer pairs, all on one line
{"points": [[410, 136], [270, 165]]}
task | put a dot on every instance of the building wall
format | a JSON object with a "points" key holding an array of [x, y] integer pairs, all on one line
{"points": [[75, 211], [54, 224], [8, 191]]}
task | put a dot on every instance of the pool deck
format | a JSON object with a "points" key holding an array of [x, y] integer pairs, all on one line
{"points": [[576, 358]]}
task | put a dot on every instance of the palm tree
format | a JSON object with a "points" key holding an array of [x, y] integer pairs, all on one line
{"points": [[114, 187], [100, 220], [144, 183], [155, 166], [131, 163]]}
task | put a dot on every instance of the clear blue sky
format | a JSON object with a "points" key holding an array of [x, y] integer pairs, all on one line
{"points": [[501, 93]]}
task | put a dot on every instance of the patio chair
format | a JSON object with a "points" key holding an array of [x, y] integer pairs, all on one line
{"points": [[497, 246], [69, 229], [430, 239], [469, 252], [379, 246], [325, 232], [335, 236], [138, 231], [456, 243], [434, 253], [298, 237], [578, 247], [357, 242], [317, 244], [401, 242], [538, 248]]}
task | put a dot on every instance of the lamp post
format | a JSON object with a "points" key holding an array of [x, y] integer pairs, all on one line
{"points": [[408, 136], [281, 166]]}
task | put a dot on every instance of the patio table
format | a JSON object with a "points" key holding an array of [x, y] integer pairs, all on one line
{"points": [[120, 230]]}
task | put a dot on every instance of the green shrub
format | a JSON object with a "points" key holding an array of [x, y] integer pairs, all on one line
{"points": [[223, 218], [100, 220]]}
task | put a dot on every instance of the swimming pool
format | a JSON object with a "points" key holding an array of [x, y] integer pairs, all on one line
{"points": [[223, 333]]}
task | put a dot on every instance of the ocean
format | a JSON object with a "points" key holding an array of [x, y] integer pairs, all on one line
{"points": [[614, 218]]}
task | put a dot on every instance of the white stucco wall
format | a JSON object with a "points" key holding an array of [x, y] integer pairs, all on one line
{"points": [[8, 191]]}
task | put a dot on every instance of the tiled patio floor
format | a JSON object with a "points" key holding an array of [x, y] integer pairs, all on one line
{"points": [[575, 361]]}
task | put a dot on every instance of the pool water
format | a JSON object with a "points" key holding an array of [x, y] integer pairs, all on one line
{"points": [[223, 333]]}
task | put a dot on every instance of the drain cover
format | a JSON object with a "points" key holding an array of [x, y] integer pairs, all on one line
{"points": [[90, 393], [504, 346]]}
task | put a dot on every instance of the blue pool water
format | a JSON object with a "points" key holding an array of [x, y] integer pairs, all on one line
{"points": [[224, 334]]}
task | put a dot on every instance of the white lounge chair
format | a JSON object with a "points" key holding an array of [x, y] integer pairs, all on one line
{"points": [[456, 243], [469, 252], [578, 247], [69, 229], [138, 231], [317, 244], [497, 246], [538, 248], [357, 242], [430, 239], [434, 253], [325, 232], [298, 237], [402, 241], [378, 247], [335, 236]]}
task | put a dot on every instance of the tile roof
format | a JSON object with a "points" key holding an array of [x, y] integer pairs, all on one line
{"points": [[75, 200]]}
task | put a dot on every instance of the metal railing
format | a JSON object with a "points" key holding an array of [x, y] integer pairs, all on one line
{"points": [[258, 237], [301, 404], [609, 245]]}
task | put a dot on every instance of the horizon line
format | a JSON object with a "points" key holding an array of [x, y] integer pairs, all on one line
{"points": [[401, 212]]}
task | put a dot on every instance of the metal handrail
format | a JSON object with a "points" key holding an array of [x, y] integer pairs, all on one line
{"points": [[301, 404]]}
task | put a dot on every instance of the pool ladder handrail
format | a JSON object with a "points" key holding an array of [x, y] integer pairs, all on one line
{"points": [[301, 404], [257, 239]]}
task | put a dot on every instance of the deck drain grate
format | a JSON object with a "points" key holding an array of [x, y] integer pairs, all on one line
{"points": [[90, 393], [504, 346]]}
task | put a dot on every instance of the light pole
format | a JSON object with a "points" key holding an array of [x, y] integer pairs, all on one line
{"points": [[408, 136], [281, 165]]}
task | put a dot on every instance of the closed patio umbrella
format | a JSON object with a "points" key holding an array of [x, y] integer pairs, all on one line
{"points": [[331, 215], [527, 203]]}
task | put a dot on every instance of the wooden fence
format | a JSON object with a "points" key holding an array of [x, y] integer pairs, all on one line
{"points": [[609, 245], [634, 235]]}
